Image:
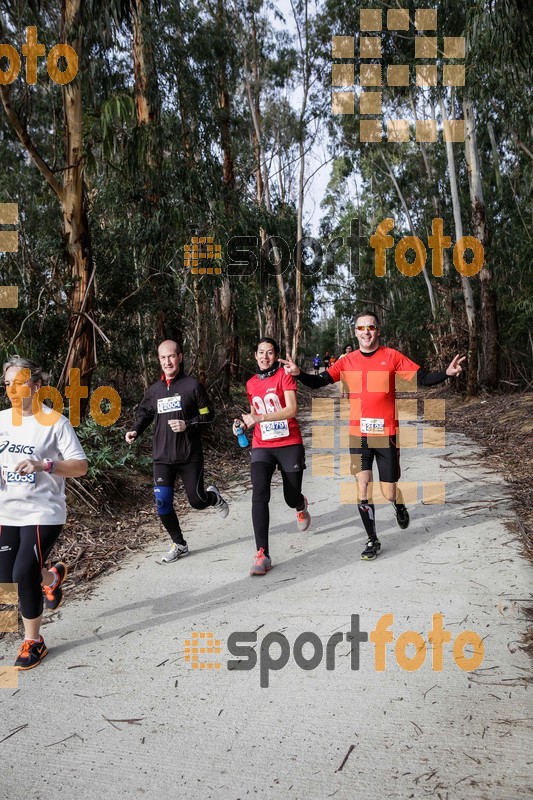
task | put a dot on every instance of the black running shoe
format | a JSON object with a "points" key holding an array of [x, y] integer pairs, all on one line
{"points": [[54, 597], [30, 654], [402, 517], [370, 553]]}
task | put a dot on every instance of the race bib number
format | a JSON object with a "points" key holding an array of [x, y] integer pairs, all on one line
{"points": [[274, 430], [167, 404], [372, 425], [12, 477]]}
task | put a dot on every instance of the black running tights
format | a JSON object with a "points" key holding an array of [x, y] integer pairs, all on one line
{"points": [[192, 475], [23, 552], [261, 479]]}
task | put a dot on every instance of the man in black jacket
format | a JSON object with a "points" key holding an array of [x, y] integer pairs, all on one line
{"points": [[180, 406]]}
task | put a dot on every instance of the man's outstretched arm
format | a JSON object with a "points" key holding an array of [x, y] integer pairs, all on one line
{"points": [[313, 381], [433, 378], [424, 378]]}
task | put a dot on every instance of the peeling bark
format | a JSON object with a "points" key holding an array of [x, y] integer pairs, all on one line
{"points": [[489, 318]]}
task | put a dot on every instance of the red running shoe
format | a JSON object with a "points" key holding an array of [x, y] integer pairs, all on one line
{"points": [[303, 518], [262, 563]]}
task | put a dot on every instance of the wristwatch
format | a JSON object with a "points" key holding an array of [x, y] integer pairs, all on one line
{"points": [[49, 465]]}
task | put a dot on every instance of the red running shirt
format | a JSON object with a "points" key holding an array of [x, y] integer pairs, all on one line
{"points": [[371, 382], [266, 396]]}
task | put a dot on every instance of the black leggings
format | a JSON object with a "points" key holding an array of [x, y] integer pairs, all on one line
{"points": [[262, 472], [192, 475], [23, 552]]}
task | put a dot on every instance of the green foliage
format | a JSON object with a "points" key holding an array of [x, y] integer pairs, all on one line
{"points": [[107, 450], [149, 187], [498, 69]]}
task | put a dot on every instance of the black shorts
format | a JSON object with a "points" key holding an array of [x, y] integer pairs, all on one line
{"points": [[364, 449], [166, 474], [288, 459]]}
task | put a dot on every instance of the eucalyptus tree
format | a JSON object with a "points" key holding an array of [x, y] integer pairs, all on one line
{"points": [[77, 24]]}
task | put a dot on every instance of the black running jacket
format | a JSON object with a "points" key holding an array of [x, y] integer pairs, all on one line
{"points": [[185, 398]]}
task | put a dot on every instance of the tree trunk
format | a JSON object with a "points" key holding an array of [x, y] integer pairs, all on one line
{"points": [[271, 323], [405, 207], [446, 288], [188, 144], [147, 103], [202, 316], [71, 196], [259, 319], [76, 235], [472, 380], [298, 300], [228, 321], [263, 199], [489, 319], [148, 112], [141, 326], [224, 112], [271, 326]]}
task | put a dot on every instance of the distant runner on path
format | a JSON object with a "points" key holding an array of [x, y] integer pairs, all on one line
{"points": [[369, 373], [346, 352], [180, 406], [35, 457], [277, 442]]}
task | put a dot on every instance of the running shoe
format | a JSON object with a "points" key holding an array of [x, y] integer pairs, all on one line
{"points": [[262, 563], [402, 517], [303, 517], [220, 505], [30, 654], [176, 551], [370, 553], [54, 597]]}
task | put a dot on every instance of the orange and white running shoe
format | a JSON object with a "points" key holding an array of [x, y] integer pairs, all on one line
{"points": [[262, 563], [303, 517]]}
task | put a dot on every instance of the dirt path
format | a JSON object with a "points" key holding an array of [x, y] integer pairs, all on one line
{"points": [[117, 711]]}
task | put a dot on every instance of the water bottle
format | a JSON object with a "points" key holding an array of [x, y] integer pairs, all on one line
{"points": [[241, 436]]}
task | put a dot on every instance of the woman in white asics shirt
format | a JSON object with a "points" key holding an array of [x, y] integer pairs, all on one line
{"points": [[38, 450]]}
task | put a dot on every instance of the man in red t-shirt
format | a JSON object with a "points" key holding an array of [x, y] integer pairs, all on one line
{"points": [[370, 375]]}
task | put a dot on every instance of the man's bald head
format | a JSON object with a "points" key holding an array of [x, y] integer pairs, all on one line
{"points": [[169, 343], [170, 357]]}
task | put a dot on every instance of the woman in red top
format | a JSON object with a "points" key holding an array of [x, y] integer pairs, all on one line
{"points": [[277, 442]]}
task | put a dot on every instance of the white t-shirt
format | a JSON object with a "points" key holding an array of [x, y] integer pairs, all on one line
{"points": [[39, 498]]}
